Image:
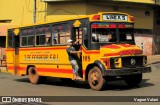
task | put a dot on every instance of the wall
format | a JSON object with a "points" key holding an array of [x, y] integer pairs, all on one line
{"points": [[63, 10], [157, 44], [59, 10], [20, 11], [145, 42]]}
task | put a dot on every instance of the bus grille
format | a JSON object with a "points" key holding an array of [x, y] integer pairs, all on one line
{"points": [[128, 61]]}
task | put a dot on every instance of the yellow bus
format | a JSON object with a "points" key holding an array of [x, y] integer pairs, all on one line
{"points": [[106, 41]]}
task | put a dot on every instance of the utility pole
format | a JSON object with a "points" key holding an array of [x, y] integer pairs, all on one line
{"points": [[34, 11]]}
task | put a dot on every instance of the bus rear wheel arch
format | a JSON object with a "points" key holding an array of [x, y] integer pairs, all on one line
{"points": [[34, 78], [95, 79]]}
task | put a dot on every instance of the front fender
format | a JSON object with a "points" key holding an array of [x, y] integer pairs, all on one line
{"points": [[101, 66]]}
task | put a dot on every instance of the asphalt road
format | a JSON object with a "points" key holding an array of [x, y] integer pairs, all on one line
{"points": [[20, 86]]}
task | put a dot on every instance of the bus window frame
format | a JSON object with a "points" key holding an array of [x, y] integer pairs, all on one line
{"points": [[117, 32], [20, 37], [27, 41], [108, 28], [45, 33], [57, 32], [108, 43]]}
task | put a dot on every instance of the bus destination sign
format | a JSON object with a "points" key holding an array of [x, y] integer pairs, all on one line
{"points": [[114, 17]]}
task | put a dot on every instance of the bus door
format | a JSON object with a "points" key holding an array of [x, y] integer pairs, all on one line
{"points": [[80, 34], [77, 35]]}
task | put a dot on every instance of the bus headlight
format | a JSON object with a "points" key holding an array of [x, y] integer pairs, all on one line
{"points": [[118, 62]]}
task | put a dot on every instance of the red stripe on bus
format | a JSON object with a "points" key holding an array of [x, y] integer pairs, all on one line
{"points": [[127, 52], [9, 49], [16, 67], [10, 67], [54, 70]]}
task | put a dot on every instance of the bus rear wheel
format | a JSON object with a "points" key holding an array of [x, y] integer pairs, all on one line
{"points": [[95, 79], [34, 77]]}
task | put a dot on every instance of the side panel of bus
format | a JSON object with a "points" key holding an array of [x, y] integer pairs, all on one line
{"points": [[49, 61]]}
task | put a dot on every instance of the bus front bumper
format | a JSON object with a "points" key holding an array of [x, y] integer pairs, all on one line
{"points": [[127, 71]]}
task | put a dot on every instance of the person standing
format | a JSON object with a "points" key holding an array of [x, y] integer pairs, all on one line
{"points": [[72, 56]]}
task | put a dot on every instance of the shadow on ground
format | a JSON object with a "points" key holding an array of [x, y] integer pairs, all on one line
{"points": [[111, 85], [122, 86]]}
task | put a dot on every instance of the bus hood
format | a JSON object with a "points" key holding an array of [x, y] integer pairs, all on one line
{"points": [[120, 50]]}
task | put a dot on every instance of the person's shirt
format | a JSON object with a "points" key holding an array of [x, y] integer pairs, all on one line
{"points": [[70, 55]]}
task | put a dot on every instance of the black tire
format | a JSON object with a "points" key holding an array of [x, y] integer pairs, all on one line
{"points": [[96, 80], [133, 80], [34, 78]]}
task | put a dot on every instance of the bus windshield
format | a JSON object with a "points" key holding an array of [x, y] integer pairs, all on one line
{"points": [[126, 34], [106, 32]]}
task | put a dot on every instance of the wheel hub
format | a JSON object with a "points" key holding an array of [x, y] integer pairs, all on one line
{"points": [[95, 78]]}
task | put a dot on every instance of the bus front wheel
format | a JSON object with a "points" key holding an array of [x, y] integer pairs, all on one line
{"points": [[95, 79], [34, 77]]}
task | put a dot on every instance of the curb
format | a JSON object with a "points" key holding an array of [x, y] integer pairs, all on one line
{"points": [[155, 62]]}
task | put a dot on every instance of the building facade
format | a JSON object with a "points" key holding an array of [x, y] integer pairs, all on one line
{"points": [[146, 13]]}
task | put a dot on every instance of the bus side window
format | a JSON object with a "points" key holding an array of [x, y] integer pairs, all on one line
{"points": [[60, 34], [43, 35], [27, 37], [40, 39], [10, 38], [54, 38], [64, 34], [48, 38], [79, 35]]}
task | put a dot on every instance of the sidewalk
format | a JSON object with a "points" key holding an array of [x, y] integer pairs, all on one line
{"points": [[153, 59]]}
